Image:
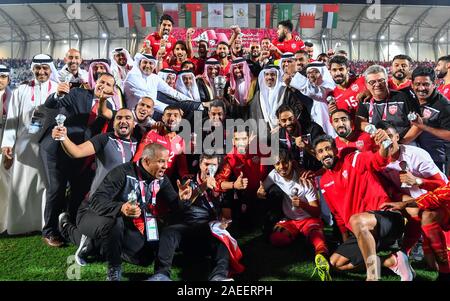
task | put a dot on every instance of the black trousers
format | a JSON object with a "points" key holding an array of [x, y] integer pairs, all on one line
{"points": [[114, 239], [61, 170], [185, 235]]}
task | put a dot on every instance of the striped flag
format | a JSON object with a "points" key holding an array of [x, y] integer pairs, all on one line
{"points": [[330, 16], [240, 14], [172, 10], [148, 15], [307, 15], [285, 12], [263, 17], [125, 12], [193, 15]]}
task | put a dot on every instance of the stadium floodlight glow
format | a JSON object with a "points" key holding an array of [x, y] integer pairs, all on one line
{"points": [[308, 40], [393, 43], [411, 39], [133, 35], [382, 37], [442, 39], [75, 36], [47, 37], [65, 41], [324, 36], [104, 35], [353, 36]]}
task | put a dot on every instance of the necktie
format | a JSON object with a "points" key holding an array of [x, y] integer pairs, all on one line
{"points": [[93, 113]]}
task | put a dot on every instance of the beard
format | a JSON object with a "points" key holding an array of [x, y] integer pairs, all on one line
{"points": [[399, 75], [339, 80], [329, 165], [281, 37], [343, 134], [222, 55], [441, 74]]}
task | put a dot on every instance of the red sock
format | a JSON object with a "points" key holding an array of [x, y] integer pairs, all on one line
{"points": [[317, 238], [412, 233], [435, 236]]}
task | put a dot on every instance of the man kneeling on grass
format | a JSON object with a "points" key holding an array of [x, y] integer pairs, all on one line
{"points": [[300, 210]]}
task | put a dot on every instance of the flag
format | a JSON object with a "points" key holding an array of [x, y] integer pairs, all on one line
{"points": [[215, 15], [148, 15], [307, 15], [193, 15], [330, 16], [172, 10], [125, 12], [240, 14], [263, 17], [285, 12]]}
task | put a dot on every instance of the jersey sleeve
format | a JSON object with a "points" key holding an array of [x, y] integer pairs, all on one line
{"points": [[311, 194], [99, 142], [434, 199]]}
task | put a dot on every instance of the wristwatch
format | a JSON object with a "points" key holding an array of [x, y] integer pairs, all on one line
{"points": [[419, 181]]}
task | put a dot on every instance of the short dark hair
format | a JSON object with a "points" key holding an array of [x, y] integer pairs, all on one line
{"points": [[309, 44], [339, 59], [445, 58], [324, 138], [301, 51], [223, 43], [284, 155], [207, 156], [283, 108], [342, 51], [288, 24], [217, 103], [107, 74], [166, 17], [424, 71], [182, 43], [172, 107], [403, 57], [183, 64], [341, 111], [385, 125]]}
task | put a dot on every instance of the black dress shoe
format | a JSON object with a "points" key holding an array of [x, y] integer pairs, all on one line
{"points": [[53, 241]]}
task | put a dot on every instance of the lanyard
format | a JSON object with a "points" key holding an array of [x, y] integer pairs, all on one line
{"points": [[122, 149], [288, 140], [155, 188], [32, 91], [371, 108]]}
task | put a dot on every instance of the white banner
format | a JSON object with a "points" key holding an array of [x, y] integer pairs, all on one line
{"points": [[215, 15], [240, 15]]}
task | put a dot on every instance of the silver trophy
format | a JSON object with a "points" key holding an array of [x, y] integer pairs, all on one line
{"points": [[67, 78], [371, 129], [404, 167], [412, 116], [294, 192], [219, 83], [212, 169], [60, 118], [330, 99], [132, 198]]}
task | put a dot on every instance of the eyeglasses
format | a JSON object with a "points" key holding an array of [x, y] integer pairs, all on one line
{"points": [[376, 81]]}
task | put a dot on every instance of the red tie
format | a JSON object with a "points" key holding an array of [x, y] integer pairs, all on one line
{"points": [[93, 113]]}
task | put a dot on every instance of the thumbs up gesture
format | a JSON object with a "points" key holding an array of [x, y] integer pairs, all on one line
{"points": [[261, 193], [241, 182]]}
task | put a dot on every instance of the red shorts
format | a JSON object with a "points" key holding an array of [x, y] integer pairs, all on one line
{"points": [[295, 227]]}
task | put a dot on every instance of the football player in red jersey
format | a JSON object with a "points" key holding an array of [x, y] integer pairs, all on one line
{"points": [[286, 41], [347, 87], [442, 73], [161, 39], [400, 71]]}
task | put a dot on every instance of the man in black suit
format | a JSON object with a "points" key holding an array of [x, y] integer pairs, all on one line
{"points": [[80, 106]]}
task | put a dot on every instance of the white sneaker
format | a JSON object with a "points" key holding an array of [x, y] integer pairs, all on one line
{"points": [[403, 268], [81, 251]]}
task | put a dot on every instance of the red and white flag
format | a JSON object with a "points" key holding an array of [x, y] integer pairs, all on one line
{"points": [[125, 14], [172, 10], [307, 15]]}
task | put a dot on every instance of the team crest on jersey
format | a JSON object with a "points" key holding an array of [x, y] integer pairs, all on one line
{"points": [[294, 46], [355, 88], [393, 109], [359, 144], [426, 113], [345, 174], [168, 45]]}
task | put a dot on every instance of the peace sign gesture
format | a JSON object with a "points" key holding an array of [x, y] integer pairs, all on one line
{"points": [[185, 190]]}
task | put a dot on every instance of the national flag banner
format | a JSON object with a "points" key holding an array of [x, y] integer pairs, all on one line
{"points": [[148, 15], [240, 15], [307, 15], [215, 15], [285, 12], [330, 15], [193, 15], [263, 17], [172, 10], [125, 14]]}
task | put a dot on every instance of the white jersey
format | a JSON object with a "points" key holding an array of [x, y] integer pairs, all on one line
{"points": [[419, 163], [305, 194]]}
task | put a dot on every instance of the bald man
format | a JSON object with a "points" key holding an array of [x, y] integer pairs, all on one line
{"points": [[71, 72]]}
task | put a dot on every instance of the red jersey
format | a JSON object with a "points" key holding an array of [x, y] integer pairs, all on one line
{"points": [[352, 186], [175, 146], [288, 46], [393, 86], [438, 198], [445, 90], [225, 71], [346, 99], [358, 141], [251, 167], [155, 41]]}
